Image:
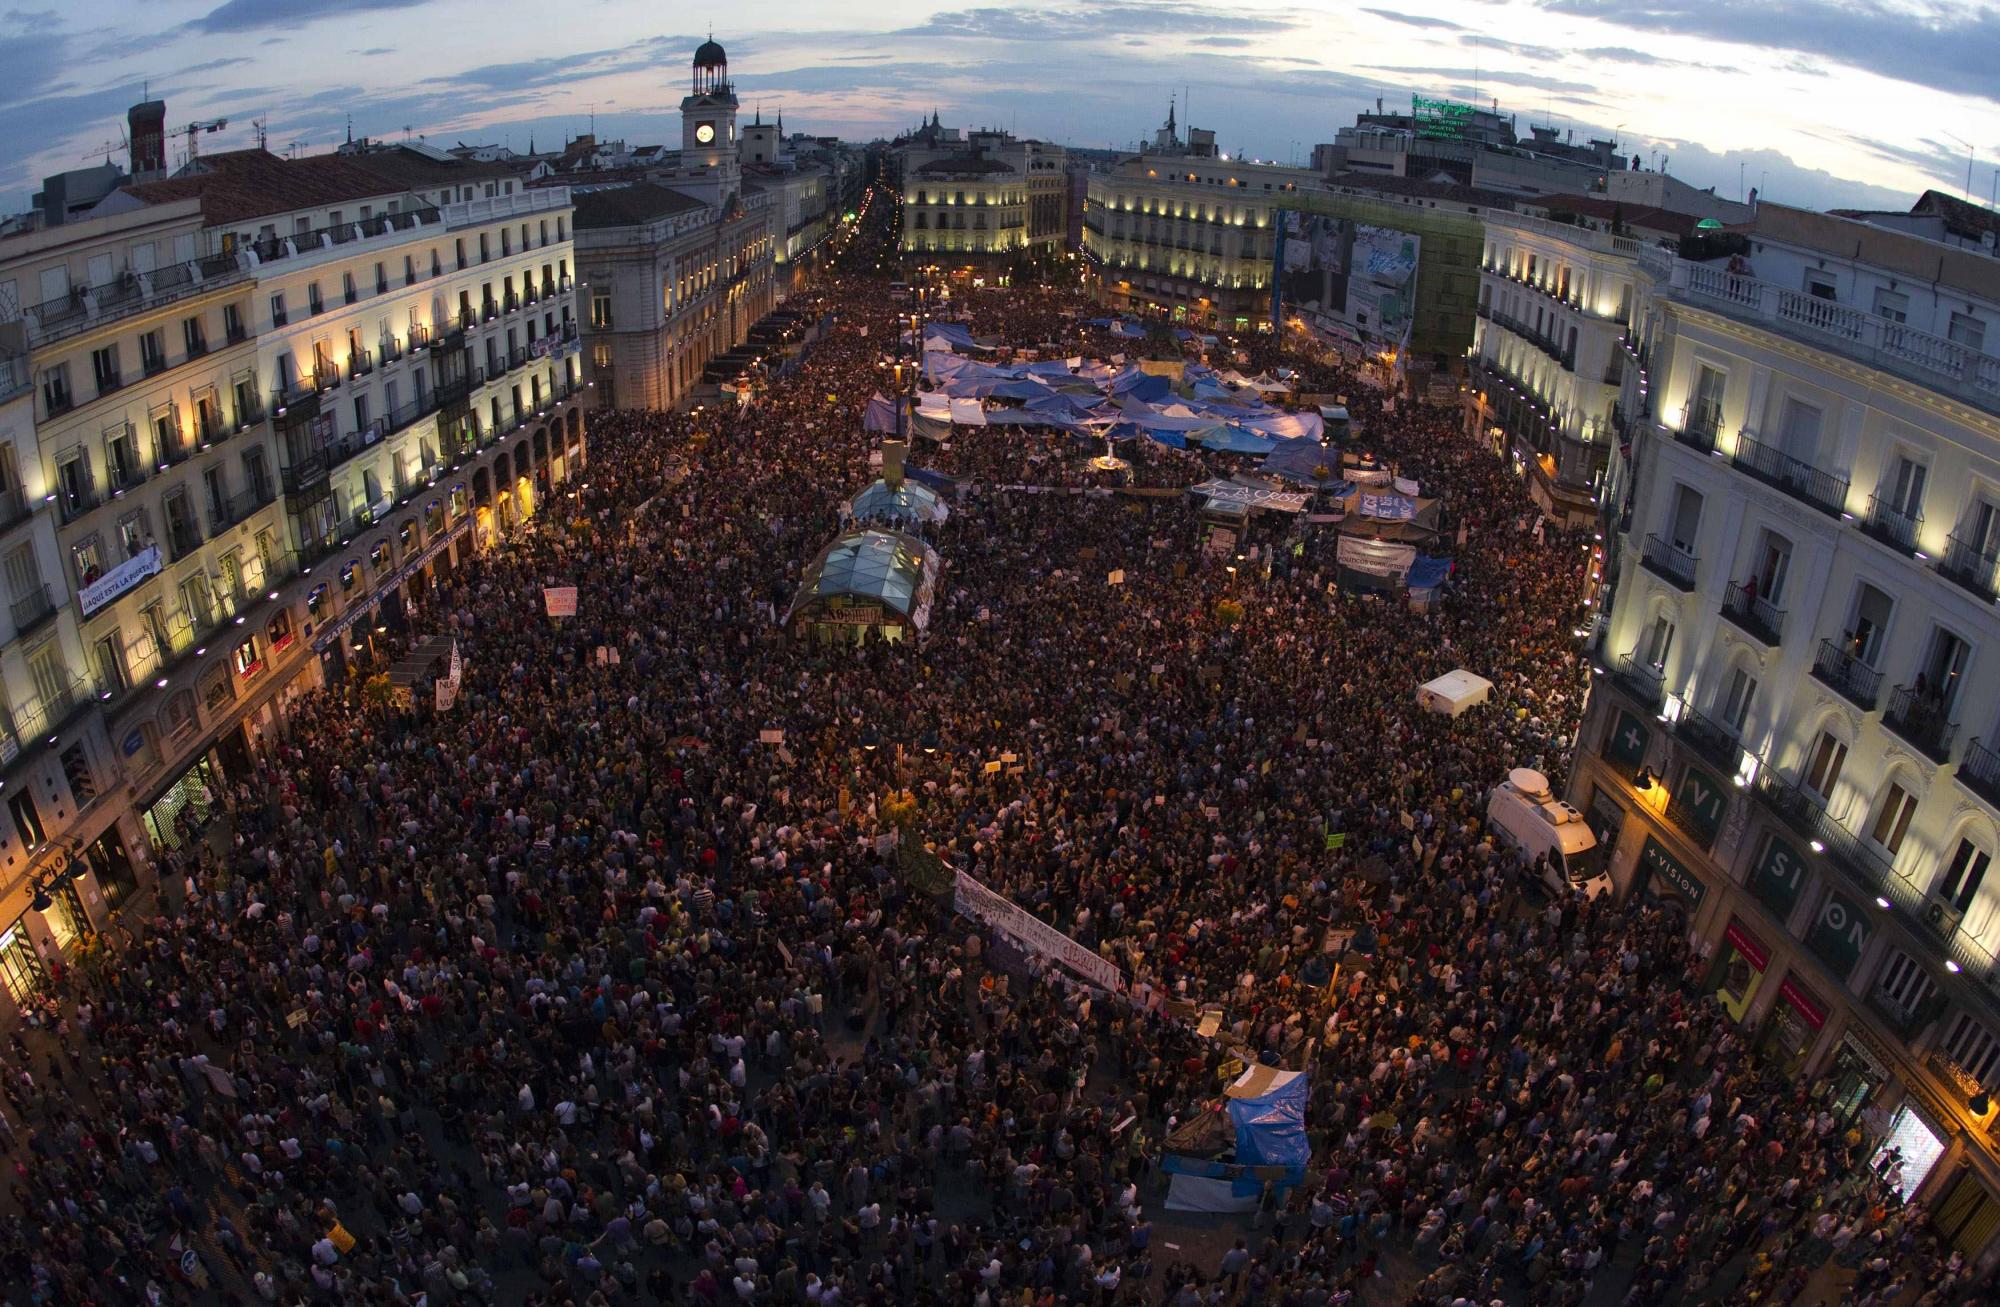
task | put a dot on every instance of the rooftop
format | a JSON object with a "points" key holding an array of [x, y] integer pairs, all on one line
{"points": [[958, 164], [1664, 221], [1421, 188], [238, 186], [625, 206], [412, 169], [1951, 267]]}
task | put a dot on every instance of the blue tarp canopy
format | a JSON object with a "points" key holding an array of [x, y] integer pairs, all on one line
{"points": [[1427, 573], [880, 415], [1230, 440], [953, 335], [1021, 417], [1287, 426], [1271, 1126], [1301, 460], [1064, 404]]}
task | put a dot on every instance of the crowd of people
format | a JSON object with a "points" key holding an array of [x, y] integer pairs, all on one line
{"points": [[593, 989]]}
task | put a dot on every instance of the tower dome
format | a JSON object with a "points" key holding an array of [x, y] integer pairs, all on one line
{"points": [[711, 69]]}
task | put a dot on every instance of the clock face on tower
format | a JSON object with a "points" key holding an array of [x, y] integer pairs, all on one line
{"points": [[704, 132]]}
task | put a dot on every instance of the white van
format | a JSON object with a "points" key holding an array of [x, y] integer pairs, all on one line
{"points": [[1522, 811]]}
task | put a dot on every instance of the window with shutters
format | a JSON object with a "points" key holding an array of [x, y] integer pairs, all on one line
{"points": [[1972, 1048], [1829, 755], [1892, 818], [1964, 874], [1904, 986]]}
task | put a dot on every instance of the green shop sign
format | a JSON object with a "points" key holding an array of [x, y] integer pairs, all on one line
{"points": [[1702, 798], [1840, 934], [1627, 742], [1779, 877], [1675, 880]]}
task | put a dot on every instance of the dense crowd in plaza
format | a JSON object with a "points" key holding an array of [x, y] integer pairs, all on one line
{"points": [[607, 999]]}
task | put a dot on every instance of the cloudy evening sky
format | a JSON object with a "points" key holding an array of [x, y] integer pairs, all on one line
{"points": [[1825, 101]]}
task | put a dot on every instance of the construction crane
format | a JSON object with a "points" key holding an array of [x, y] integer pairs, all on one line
{"points": [[109, 148], [207, 126]]}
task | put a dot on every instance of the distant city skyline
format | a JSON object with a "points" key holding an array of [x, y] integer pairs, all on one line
{"points": [[1821, 102]]}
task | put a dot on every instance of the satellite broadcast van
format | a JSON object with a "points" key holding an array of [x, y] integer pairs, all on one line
{"points": [[1522, 811]]}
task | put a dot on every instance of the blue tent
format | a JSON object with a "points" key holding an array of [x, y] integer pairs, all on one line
{"points": [[880, 415], [1271, 1128], [1428, 573], [1298, 460], [1230, 440], [955, 334]]}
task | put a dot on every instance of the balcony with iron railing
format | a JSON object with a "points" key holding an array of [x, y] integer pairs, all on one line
{"points": [[1975, 567], [1670, 562], [1754, 613], [43, 718], [1801, 480], [172, 450], [1644, 681], [1709, 739], [72, 502], [32, 610], [15, 507], [85, 308], [237, 508], [183, 538], [1699, 430], [14, 375], [125, 473], [1892, 524], [322, 242], [305, 469], [1857, 682], [1979, 771], [1923, 717], [1869, 869], [343, 448]]}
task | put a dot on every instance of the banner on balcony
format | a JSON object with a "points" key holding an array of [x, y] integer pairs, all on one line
{"points": [[119, 579], [560, 599]]}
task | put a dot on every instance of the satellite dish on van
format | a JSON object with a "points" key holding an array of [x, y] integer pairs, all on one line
{"points": [[1529, 782]]}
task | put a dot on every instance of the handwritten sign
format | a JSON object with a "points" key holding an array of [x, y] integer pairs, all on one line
{"points": [[560, 600]]}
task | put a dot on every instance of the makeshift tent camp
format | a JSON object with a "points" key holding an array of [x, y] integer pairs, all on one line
{"points": [[1454, 692], [1215, 1170]]}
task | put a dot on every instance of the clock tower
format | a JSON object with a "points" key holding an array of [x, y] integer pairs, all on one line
{"points": [[708, 120]]}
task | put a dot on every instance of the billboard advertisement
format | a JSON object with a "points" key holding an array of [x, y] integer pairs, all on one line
{"points": [[1345, 280]]}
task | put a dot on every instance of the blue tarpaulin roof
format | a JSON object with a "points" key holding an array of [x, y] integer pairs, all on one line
{"points": [[957, 335], [1299, 460], [1271, 1130], [880, 415], [1428, 573], [1232, 441]]}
